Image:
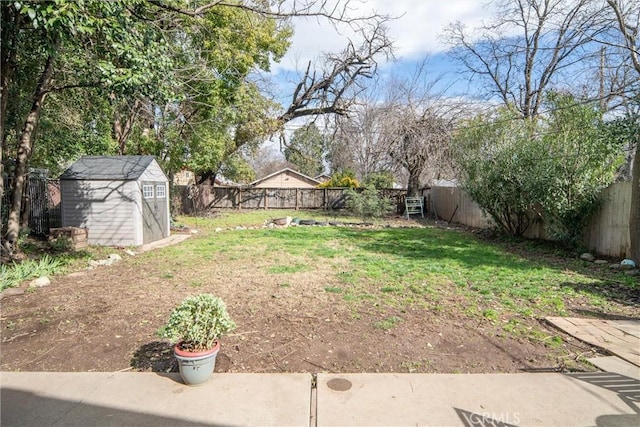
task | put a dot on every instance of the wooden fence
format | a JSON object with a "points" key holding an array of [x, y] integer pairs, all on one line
{"points": [[203, 198], [607, 234]]}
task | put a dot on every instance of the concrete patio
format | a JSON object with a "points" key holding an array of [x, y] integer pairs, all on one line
{"points": [[152, 399]]}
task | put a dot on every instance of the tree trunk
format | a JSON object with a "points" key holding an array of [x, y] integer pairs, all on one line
{"points": [[634, 217], [24, 154], [413, 184], [9, 21], [122, 128]]}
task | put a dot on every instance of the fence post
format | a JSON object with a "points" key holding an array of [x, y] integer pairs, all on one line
{"points": [[266, 201], [297, 193], [240, 199]]}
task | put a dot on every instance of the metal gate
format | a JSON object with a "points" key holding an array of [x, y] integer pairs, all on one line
{"points": [[37, 204]]}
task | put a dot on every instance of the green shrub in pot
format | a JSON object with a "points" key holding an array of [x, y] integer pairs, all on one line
{"points": [[198, 323]]}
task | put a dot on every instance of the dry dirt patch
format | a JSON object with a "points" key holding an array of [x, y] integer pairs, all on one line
{"points": [[106, 319]]}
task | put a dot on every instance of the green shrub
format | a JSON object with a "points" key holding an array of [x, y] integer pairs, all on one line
{"points": [[13, 274], [61, 244], [368, 203], [380, 180], [550, 167], [199, 321]]}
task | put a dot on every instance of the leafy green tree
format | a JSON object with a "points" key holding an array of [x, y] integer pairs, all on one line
{"points": [[74, 123], [551, 167], [577, 163], [498, 167], [57, 45], [380, 180], [217, 107], [307, 149]]}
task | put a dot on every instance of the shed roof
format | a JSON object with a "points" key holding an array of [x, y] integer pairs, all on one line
{"points": [[108, 168]]}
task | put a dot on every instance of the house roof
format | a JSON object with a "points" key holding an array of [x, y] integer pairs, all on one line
{"points": [[107, 168], [285, 170]]}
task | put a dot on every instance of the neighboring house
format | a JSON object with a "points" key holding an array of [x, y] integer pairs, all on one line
{"points": [[323, 178], [121, 200], [285, 178], [444, 183], [184, 177]]}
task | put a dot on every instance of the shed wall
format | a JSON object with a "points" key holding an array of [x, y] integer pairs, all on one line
{"points": [[111, 210], [153, 172]]}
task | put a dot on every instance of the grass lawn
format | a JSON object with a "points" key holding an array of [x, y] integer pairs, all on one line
{"points": [[323, 297], [400, 267]]}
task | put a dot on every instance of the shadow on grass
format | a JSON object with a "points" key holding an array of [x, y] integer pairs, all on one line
{"points": [[470, 251], [431, 244], [620, 293]]}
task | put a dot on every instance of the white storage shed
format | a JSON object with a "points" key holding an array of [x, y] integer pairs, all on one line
{"points": [[121, 200]]}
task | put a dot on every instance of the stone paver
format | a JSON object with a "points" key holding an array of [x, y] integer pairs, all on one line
{"points": [[617, 365], [620, 337], [174, 239]]}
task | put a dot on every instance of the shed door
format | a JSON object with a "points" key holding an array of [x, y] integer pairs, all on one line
{"points": [[154, 211]]}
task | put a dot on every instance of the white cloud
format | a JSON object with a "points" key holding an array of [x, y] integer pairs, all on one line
{"points": [[415, 32]]}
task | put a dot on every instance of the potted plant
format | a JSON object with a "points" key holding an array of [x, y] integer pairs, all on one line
{"points": [[196, 326]]}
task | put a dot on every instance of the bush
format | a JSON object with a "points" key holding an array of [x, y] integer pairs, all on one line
{"points": [[61, 244], [498, 162], [368, 203], [551, 167], [13, 274], [380, 180], [341, 180]]}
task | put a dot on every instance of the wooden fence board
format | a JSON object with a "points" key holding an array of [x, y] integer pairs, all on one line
{"points": [[203, 198], [606, 234]]}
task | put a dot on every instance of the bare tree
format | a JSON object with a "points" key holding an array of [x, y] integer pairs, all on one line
{"points": [[335, 88], [417, 127], [627, 16], [417, 140], [531, 46], [267, 160], [406, 132], [358, 140]]}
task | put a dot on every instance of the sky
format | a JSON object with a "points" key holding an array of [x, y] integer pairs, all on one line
{"points": [[416, 34], [415, 31]]}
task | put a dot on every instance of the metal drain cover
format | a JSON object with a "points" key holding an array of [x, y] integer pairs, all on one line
{"points": [[339, 384]]}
